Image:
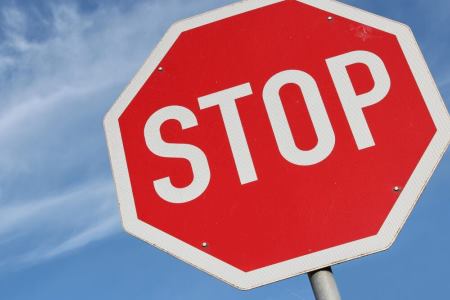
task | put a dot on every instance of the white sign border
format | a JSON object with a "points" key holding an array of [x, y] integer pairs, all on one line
{"points": [[247, 280]]}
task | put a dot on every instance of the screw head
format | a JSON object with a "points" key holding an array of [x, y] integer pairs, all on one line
{"points": [[330, 18], [397, 188], [160, 69], [204, 244]]}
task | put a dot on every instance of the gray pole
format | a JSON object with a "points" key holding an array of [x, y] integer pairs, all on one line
{"points": [[323, 284]]}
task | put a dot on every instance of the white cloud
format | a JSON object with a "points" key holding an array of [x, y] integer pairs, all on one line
{"points": [[40, 229], [95, 232], [444, 82], [56, 192], [14, 19], [25, 215]]}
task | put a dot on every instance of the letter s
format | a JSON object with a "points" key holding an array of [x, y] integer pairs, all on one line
{"points": [[195, 156]]}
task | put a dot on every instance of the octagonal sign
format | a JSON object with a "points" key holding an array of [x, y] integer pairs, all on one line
{"points": [[270, 138]]}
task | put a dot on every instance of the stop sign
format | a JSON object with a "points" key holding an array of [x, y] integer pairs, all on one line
{"points": [[270, 138]]}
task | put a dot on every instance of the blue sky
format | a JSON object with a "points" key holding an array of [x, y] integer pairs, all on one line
{"points": [[62, 65]]}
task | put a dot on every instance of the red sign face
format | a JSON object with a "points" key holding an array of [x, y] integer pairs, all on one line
{"points": [[272, 132]]}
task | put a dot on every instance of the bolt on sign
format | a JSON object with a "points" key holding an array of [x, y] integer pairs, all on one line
{"points": [[270, 138]]}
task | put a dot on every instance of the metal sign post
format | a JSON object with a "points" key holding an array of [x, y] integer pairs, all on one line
{"points": [[323, 284]]}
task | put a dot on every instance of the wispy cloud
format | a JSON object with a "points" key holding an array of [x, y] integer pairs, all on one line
{"points": [[60, 70], [444, 82], [56, 193], [40, 229], [54, 196]]}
